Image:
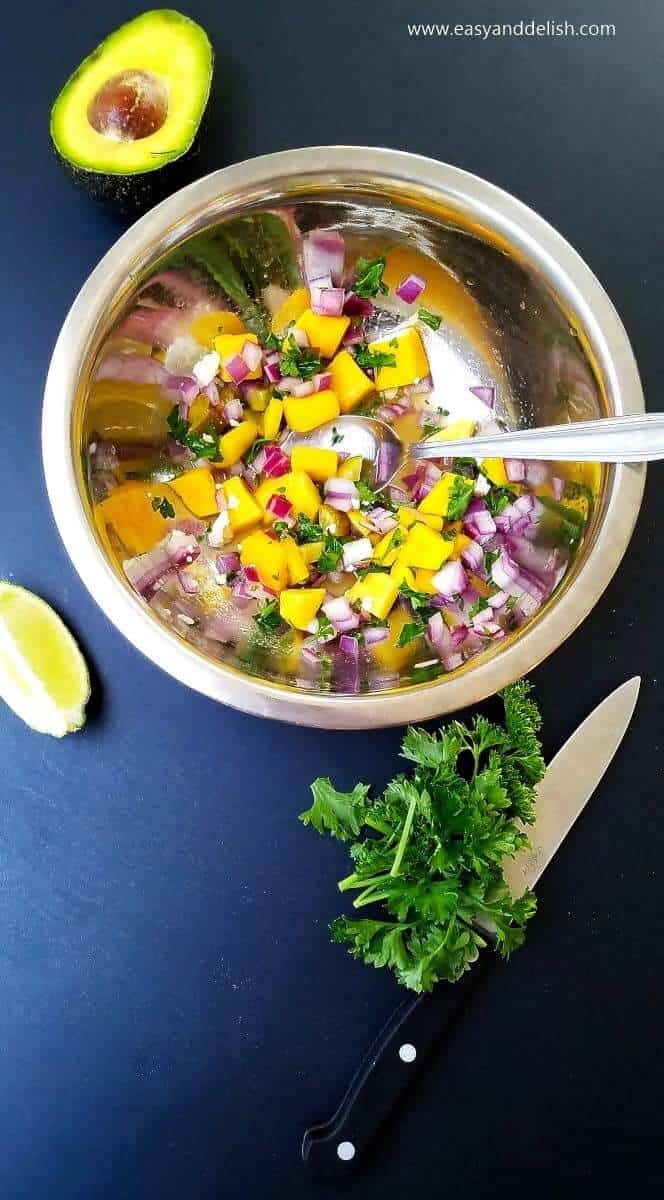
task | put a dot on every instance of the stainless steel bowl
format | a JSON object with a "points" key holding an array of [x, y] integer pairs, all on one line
{"points": [[544, 325]]}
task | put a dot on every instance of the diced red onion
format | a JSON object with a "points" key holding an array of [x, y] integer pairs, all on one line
{"points": [[299, 336], [410, 288], [341, 494], [327, 301], [357, 306], [271, 367], [382, 520], [279, 506], [187, 583], [252, 355], [387, 461], [352, 336], [258, 462], [227, 564], [340, 614], [558, 487], [515, 469], [498, 600], [304, 388], [537, 472], [288, 383], [237, 368], [452, 661], [323, 252], [356, 552], [486, 394], [473, 557], [233, 410], [480, 524], [375, 634], [190, 525], [451, 580], [349, 645], [212, 392], [310, 653], [276, 462], [380, 681], [322, 381], [504, 571]]}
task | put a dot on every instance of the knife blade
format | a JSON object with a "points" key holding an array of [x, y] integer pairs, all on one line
{"points": [[419, 1023]]}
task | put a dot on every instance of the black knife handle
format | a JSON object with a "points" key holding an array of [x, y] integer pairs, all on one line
{"points": [[392, 1063]]}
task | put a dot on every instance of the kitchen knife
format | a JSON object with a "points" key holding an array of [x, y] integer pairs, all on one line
{"points": [[419, 1023]]}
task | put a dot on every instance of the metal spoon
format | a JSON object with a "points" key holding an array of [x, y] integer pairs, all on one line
{"points": [[608, 439]]}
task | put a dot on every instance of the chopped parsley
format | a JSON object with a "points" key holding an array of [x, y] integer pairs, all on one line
{"points": [[427, 855], [307, 530], [369, 497], [429, 430], [254, 448], [411, 631], [273, 342], [303, 363], [336, 436], [369, 280], [459, 499], [325, 631], [479, 606], [509, 604], [429, 318], [267, 618], [332, 552], [163, 506], [498, 499], [371, 360], [419, 600], [202, 443]]}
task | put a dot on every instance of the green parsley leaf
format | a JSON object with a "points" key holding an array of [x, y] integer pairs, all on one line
{"points": [[498, 499], [419, 600], [371, 360], [201, 443], [336, 436], [427, 855], [332, 553], [429, 318], [479, 606], [410, 632], [307, 530], [267, 618], [163, 506], [301, 362], [325, 631], [369, 277], [460, 497]]}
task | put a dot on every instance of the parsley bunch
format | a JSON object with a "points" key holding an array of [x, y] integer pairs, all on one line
{"points": [[428, 853]]}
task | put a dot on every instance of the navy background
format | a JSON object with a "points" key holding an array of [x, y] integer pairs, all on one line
{"points": [[171, 1012]]}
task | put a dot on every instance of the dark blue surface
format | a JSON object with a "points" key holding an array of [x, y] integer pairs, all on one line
{"points": [[171, 1012]]}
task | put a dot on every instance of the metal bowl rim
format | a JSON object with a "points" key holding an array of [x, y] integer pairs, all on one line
{"points": [[185, 211]]}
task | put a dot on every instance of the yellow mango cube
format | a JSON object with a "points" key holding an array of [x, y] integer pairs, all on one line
{"points": [[460, 542], [423, 581], [304, 413], [199, 411], [272, 419], [299, 606], [333, 521], [297, 487], [258, 398], [375, 594], [351, 468], [438, 499], [403, 574], [387, 549], [494, 469], [206, 328], [349, 381], [324, 333], [197, 489], [229, 344], [127, 511], [360, 522], [292, 308], [236, 442], [408, 517], [242, 508], [269, 558], [318, 464], [457, 430], [311, 551], [298, 571], [425, 548], [411, 360], [388, 653]]}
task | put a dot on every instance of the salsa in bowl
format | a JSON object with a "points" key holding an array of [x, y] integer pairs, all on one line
{"points": [[290, 566]]}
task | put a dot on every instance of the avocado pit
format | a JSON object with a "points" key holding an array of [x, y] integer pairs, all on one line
{"points": [[129, 106]]}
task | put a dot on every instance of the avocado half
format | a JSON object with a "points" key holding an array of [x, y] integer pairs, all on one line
{"points": [[127, 122]]}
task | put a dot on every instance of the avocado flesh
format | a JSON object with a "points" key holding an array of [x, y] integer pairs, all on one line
{"points": [[176, 52]]}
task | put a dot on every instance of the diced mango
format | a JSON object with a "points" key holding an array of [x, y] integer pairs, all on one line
{"points": [[390, 655], [290, 310], [438, 499], [197, 489], [272, 419], [298, 571], [269, 557], [360, 522], [412, 516], [425, 548], [351, 468], [258, 398], [387, 549], [299, 606], [236, 442], [494, 469], [199, 411], [311, 551], [403, 574], [206, 328], [324, 333], [229, 344], [304, 413], [460, 542], [455, 431], [331, 520], [242, 508], [480, 585], [349, 381], [319, 464], [411, 360], [297, 487], [128, 512], [423, 581], [375, 593]]}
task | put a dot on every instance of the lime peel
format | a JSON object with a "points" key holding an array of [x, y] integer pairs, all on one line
{"points": [[43, 675]]}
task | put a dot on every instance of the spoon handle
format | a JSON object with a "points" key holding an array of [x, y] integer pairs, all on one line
{"points": [[608, 439]]}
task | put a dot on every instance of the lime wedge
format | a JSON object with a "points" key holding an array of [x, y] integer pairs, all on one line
{"points": [[43, 675]]}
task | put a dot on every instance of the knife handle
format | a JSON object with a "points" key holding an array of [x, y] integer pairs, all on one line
{"points": [[391, 1065]]}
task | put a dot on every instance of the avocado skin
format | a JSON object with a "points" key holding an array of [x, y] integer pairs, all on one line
{"points": [[133, 195]]}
